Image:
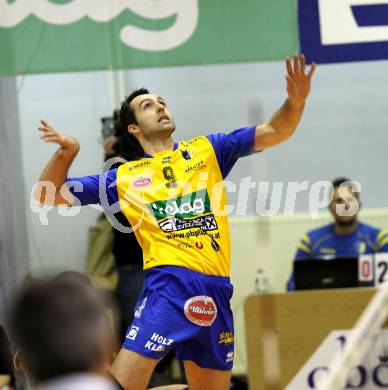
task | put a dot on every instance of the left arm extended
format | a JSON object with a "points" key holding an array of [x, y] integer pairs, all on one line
{"points": [[284, 122]]}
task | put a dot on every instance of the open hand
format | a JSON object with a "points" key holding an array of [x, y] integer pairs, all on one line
{"points": [[49, 134], [298, 82]]}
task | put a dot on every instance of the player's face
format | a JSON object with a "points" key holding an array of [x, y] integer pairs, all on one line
{"points": [[152, 115], [345, 206]]}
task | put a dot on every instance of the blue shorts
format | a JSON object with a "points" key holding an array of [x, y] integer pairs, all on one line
{"points": [[187, 311]]}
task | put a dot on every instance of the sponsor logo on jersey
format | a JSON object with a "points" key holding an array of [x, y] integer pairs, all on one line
{"points": [[187, 206], [229, 357], [204, 223], [140, 309], [226, 338], [192, 141], [145, 163], [327, 251], [132, 332], [158, 343], [186, 245], [142, 182], [199, 245], [196, 167], [188, 154], [201, 310], [166, 160]]}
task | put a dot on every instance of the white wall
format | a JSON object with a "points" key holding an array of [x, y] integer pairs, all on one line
{"points": [[13, 233], [72, 103]]}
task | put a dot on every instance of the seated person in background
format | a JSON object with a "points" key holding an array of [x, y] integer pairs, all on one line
{"points": [[62, 335], [127, 252], [346, 236]]}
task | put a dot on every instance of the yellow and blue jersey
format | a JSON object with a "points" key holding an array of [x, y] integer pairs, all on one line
{"points": [[176, 200], [324, 243]]}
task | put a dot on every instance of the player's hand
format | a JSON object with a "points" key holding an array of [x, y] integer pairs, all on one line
{"points": [[298, 81], [66, 142]]}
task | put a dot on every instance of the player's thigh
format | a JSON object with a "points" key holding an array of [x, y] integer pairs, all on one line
{"points": [[132, 370], [205, 378]]}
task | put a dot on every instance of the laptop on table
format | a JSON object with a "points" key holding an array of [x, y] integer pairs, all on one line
{"points": [[337, 272]]}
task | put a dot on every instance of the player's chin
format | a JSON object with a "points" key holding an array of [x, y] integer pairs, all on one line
{"points": [[168, 127], [346, 220]]}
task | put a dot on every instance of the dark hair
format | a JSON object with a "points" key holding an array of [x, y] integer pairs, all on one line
{"points": [[59, 327], [336, 183], [340, 180], [130, 146], [127, 115], [74, 277]]}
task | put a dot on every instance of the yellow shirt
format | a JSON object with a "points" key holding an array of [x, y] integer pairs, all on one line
{"points": [[175, 200], [181, 205]]}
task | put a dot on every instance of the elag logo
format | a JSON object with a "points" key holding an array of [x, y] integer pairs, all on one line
{"points": [[201, 310], [187, 206], [341, 31]]}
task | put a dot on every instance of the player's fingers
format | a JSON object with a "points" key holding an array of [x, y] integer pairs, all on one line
{"points": [[302, 63], [48, 130], [46, 133], [312, 70], [43, 129], [49, 135], [45, 124], [44, 136], [289, 67], [52, 138], [290, 81], [296, 64]]}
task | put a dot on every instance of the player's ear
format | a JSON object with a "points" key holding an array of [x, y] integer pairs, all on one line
{"points": [[133, 129], [331, 207]]}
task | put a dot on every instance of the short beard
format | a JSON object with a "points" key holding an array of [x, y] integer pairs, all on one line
{"points": [[346, 223]]}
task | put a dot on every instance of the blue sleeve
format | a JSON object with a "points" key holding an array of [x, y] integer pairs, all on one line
{"points": [[95, 189], [232, 146], [381, 241]]}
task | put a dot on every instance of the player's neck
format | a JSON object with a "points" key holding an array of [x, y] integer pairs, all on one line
{"points": [[154, 146], [343, 230]]}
